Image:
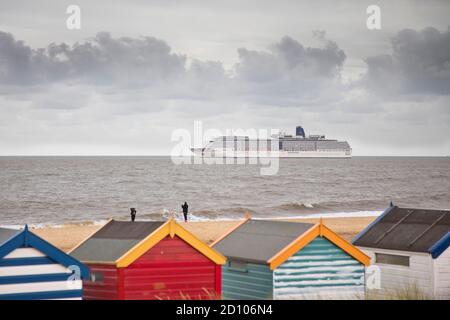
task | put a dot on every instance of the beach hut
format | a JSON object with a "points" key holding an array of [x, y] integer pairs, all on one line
{"points": [[149, 260], [411, 249], [32, 268], [288, 260]]}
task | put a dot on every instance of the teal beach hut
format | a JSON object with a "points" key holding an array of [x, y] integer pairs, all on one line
{"points": [[288, 260], [31, 268]]}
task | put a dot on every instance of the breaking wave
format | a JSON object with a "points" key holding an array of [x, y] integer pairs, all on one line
{"points": [[297, 206]]}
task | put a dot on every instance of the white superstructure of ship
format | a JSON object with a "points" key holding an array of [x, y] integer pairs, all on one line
{"points": [[281, 145]]}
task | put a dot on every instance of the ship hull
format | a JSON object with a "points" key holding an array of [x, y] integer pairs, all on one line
{"points": [[270, 154]]}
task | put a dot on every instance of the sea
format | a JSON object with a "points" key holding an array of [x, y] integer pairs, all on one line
{"points": [[42, 191]]}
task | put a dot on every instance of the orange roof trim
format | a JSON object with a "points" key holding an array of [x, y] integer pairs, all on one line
{"points": [[318, 230]]}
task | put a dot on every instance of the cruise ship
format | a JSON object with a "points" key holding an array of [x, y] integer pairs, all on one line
{"points": [[281, 145]]}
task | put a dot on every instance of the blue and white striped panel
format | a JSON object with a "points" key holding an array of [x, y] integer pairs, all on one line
{"points": [[27, 273], [320, 270]]}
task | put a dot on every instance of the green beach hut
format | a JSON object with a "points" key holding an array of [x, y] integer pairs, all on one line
{"points": [[289, 260]]}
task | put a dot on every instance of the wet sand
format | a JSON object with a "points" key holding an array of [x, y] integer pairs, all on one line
{"points": [[67, 236]]}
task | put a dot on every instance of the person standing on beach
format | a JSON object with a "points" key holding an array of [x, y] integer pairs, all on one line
{"points": [[133, 214], [185, 208]]}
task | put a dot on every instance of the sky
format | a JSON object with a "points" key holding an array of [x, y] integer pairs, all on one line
{"points": [[138, 70]]}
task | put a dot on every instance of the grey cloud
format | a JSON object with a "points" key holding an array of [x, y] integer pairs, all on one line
{"points": [[285, 74], [101, 60], [419, 64], [15, 60], [288, 74], [289, 58], [210, 70]]}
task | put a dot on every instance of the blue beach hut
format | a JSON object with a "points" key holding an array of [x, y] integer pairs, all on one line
{"points": [[31, 268]]}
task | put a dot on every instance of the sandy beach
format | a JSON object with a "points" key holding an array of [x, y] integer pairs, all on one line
{"points": [[67, 236]]}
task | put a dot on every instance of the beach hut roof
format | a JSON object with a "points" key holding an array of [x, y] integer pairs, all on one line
{"points": [[407, 229], [11, 240], [113, 240], [122, 242], [259, 240], [273, 242]]}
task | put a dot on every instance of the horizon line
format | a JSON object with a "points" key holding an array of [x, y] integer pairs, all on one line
{"points": [[184, 156]]}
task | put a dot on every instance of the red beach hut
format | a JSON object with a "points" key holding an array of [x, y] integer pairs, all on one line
{"points": [[149, 260]]}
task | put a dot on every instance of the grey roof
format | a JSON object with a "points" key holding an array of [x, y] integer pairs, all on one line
{"points": [[6, 234], [260, 240], [406, 229], [113, 240]]}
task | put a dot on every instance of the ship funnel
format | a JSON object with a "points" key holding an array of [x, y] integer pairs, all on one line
{"points": [[299, 132]]}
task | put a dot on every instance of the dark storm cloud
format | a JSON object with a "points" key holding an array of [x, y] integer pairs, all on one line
{"points": [[419, 64]]}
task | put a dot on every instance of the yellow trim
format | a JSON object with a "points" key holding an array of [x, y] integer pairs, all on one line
{"points": [[247, 217], [170, 228], [88, 237], [195, 242], [294, 246], [320, 230], [321, 227]]}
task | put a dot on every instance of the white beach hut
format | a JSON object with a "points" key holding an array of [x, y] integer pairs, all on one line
{"points": [[33, 269], [411, 249]]}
